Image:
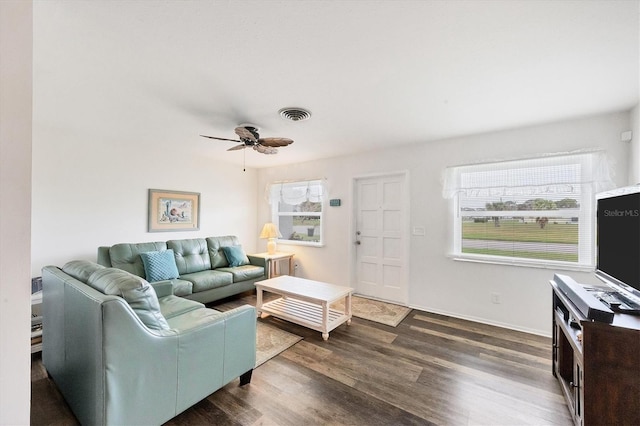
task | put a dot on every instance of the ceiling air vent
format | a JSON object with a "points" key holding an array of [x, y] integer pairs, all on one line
{"points": [[294, 114]]}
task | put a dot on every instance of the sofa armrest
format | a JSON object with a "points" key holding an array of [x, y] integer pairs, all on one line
{"points": [[163, 288], [240, 341], [104, 258], [257, 261], [226, 343], [140, 369]]}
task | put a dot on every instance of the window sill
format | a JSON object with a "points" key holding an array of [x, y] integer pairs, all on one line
{"points": [[523, 263], [299, 243]]}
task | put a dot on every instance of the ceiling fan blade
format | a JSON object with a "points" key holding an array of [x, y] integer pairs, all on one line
{"points": [[237, 147], [220, 139], [265, 149], [244, 133], [275, 141], [249, 137]]}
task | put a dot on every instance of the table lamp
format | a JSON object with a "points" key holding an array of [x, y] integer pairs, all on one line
{"points": [[270, 232]]}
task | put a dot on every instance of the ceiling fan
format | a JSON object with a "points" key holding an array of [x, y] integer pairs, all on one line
{"points": [[249, 136]]}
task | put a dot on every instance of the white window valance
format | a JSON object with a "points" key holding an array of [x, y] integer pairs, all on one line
{"points": [[296, 192], [552, 174]]}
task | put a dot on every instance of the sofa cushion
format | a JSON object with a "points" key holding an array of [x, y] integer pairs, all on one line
{"points": [[192, 255], [159, 265], [206, 280], [135, 290], [81, 269], [172, 306], [215, 244], [194, 319], [235, 255], [126, 256], [244, 272]]}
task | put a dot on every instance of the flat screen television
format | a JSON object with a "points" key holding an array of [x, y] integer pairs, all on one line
{"points": [[618, 239]]}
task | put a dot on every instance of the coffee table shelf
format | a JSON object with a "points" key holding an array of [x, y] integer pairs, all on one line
{"points": [[304, 313], [305, 302]]}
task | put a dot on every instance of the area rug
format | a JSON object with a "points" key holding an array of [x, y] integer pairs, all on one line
{"points": [[375, 310], [270, 341]]}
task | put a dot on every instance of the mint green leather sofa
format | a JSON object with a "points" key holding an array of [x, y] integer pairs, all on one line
{"points": [[124, 352], [204, 271]]}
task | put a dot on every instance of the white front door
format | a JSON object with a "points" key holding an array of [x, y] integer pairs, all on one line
{"points": [[381, 235]]}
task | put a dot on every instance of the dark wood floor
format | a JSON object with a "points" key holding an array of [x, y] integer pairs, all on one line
{"points": [[431, 369]]}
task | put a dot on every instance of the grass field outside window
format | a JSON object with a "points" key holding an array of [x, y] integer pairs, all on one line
{"points": [[557, 240], [529, 212]]}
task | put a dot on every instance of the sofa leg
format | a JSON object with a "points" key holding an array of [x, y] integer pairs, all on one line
{"points": [[245, 379]]}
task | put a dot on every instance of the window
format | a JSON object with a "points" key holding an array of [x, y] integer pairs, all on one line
{"points": [[534, 212], [296, 207]]}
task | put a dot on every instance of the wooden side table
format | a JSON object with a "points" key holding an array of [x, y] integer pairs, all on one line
{"points": [[272, 261]]}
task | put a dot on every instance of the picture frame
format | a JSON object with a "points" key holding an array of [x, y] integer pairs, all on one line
{"points": [[173, 211]]}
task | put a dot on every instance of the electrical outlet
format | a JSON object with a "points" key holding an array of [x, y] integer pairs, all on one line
{"points": [[495, 298]]}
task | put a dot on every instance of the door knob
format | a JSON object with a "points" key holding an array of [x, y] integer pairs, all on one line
{"points": [[358, 243]]}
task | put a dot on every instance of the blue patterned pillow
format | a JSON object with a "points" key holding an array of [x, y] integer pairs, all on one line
{"points": [[235, 255], [159, 265]]}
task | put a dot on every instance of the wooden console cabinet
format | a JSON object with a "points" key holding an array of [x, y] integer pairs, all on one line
{"points": [[597, 364]]}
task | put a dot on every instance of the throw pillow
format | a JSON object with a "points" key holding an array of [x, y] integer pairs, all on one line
{"points": [[159, 265], [235, 255]]}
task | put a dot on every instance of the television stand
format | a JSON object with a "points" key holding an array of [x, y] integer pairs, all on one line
{"points": [[596, 362]]}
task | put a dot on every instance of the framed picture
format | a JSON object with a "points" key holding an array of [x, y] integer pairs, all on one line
{"points": [[173, 211]]}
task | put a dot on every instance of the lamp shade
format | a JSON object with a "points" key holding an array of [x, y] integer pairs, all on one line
{"points": [[269, 230]]}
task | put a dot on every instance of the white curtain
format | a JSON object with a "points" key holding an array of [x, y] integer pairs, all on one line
{"points": [[297, 192], [552, 174]]}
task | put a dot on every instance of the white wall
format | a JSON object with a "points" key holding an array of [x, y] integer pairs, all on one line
{"points": [[15, 205], [87, 195], [437, 283]]}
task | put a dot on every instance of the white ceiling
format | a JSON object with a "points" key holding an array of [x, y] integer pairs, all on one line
{"points": [[372, 73]]}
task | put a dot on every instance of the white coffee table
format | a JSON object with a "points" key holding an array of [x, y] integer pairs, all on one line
{"points": [[305, 302]]}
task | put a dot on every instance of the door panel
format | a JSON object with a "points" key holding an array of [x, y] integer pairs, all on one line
{"points": [[391, 249], [381, 233], [391, 221]]}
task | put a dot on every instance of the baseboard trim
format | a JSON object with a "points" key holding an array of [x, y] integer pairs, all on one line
{"points": [[482, 321]]}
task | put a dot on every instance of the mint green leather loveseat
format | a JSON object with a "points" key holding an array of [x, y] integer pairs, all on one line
{"points": [[124, 352], [204, 271]]}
